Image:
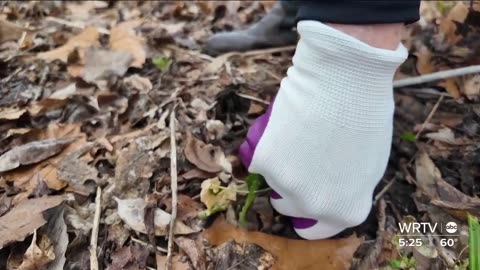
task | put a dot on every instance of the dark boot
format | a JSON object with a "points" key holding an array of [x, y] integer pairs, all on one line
{"points": [[273, 30]]}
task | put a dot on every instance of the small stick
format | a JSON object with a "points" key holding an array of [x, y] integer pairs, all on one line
{"points": [[437, 76], [78, 25], [96, 224], [434, 109], [384, 190], [253, 98], [146, 244], [173, 176], [269, 51]]}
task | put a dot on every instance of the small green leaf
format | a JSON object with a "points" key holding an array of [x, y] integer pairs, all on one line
{"points": [[254, 182], [474, 242], [396, 264], [409, 137], [162, 63]]}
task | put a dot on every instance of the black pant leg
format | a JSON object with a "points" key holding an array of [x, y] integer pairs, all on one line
{"points": [[359, 11]]}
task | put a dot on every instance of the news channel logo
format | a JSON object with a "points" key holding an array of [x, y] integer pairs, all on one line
{"points": [[451, 227]]}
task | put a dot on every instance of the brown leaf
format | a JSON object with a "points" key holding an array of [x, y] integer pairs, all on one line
{"points": [[329, 254], [132, 212], [134, 166], [123, 38], [177, 264], [440, 192], [141, 84], [38, 254], [87, 38], [11, 113], [195, 173], [187, 208], [239, 256], [25, 218], [129, 257], [206, 156], [81, 11], [33, 152], [46, 171], [101, 63], [15, 131], [194, 253], [56, 231], [448, 26], [444, 135], [9, 31], [76, 171]]}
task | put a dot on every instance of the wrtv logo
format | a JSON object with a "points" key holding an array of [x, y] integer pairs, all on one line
{"points": [[426, 227]]}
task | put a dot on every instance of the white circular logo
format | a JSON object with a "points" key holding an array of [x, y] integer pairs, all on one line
{"points": [[451, 227]]}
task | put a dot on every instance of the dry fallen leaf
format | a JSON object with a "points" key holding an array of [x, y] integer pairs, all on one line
{"points": [[11, 113], [65, 92], [194, 252], [239, 256], [123, 38], [101, 63], [206, 156], [177, 263], [46, 171], [134, 166], [187, 208], [441, 193], [56, 230], [81, 11], [15, 131], [132, 212], [216, 197], [86, 39], [331, 254], [75, 171], [38, 254], [33, 152], [9, 31], [25, 218], [141, 84], [443, 135], [129, 257]]}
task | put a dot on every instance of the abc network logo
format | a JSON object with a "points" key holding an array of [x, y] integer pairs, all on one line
{"points": [[451, 227]]}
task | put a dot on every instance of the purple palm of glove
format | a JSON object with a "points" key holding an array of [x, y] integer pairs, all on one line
{"points": [[247, 150]]}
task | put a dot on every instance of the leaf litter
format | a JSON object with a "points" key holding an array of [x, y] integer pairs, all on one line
{"points": [[85, 94]]}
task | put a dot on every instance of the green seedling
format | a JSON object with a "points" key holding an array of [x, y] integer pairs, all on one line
{"points": [[409, 137], [254, 183], [474, 242], [162, 63], [403, 263]]}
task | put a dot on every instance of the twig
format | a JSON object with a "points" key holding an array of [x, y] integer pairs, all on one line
{"points": [[434, 109], [96, 224], [437, 76], [173, 182], [79, 25], [146, 244], [384, 190], [194, 53], [253, 98], [424, 91], [269, 51]]}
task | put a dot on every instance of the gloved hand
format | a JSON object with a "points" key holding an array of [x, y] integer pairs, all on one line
{"points": [[324, 143], [274, 29]]}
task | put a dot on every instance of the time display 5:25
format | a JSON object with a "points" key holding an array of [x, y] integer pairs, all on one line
{"points": [[410, 242]]}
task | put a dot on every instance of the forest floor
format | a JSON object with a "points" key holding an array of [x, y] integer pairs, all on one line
{"points": [[109, 110]]}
